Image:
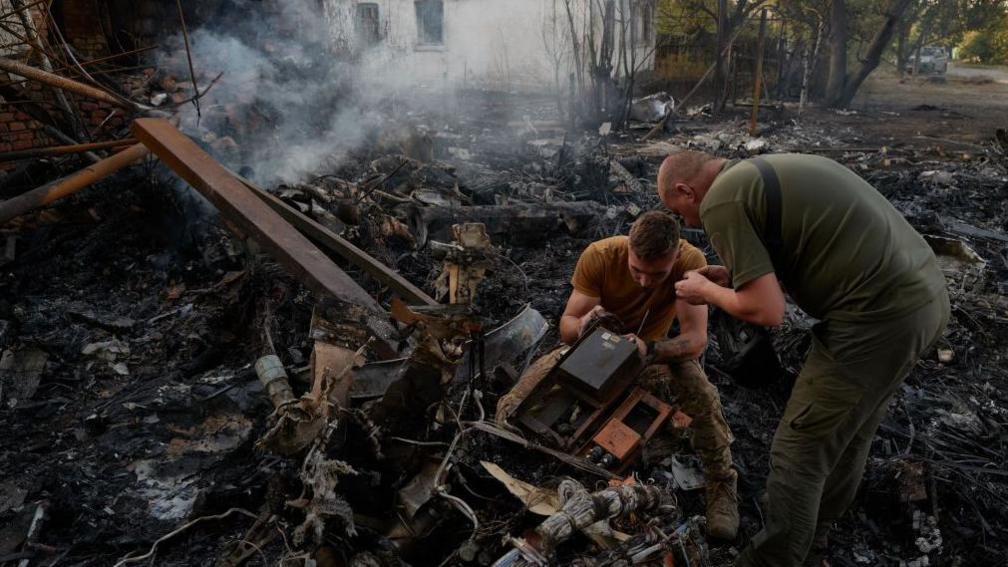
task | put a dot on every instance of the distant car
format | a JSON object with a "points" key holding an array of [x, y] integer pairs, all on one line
{"points": [[933, 59]]}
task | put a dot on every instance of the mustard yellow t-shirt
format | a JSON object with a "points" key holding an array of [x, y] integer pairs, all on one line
{"points": [[603, 271]]}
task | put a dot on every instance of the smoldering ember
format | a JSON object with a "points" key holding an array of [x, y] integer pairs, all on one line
{"points": [[504, 282]]}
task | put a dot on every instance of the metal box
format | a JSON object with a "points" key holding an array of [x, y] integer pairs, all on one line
{"points": [[599, 360]]}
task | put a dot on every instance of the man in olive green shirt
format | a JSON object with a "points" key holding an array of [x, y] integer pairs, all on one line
{"points": [[847, 257]]}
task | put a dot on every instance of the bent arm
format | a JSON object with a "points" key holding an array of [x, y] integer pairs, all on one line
{"points": [[760, 301], [692, 338], [578, 306]]}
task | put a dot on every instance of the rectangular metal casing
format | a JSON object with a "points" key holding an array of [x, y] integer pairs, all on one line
{"points": [[618, 439], [598, 359]]}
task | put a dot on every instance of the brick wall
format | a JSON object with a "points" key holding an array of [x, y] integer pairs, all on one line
{"points": [[83, 28], [18, 130]]}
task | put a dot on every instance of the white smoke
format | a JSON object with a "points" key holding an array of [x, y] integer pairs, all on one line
{"points": [[297, 94]]}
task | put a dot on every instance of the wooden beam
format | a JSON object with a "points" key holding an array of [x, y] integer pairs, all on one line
{"points": [[251, 215]]}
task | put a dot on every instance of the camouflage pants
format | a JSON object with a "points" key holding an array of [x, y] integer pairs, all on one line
{"points": [[681, 384]]}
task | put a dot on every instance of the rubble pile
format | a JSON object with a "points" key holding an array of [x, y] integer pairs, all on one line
{"points": [[174, 395]]}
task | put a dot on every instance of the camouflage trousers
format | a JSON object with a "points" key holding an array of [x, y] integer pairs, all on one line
{"points": [[680, 384]]}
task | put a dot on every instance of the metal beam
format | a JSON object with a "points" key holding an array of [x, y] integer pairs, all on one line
{"points": [[60, 188], [64, 150], [251, 215], [31, 73], [336, 244]]}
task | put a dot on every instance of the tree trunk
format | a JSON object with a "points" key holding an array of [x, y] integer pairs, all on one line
{"points": [[838, 51], [811, 56], [921, 36], [901, 50], [720, 63], [878, 45], [840, 92]]}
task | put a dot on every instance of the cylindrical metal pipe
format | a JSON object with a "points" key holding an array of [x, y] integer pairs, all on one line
{"points": [[71, 184], [271, 373], [64, 150], [29, 72]]}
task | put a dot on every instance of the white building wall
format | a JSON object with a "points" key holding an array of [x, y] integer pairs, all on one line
{"points": [[504, 44]]}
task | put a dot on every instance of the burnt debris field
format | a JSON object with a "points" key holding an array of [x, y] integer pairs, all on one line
{"points": [[269, 320]]}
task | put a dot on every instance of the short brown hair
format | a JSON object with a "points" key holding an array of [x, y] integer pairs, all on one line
{"points": [[653, 235]]}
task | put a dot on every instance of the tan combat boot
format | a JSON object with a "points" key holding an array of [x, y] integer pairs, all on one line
{"points": [[722, 507]]}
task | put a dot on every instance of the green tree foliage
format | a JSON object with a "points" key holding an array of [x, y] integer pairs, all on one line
{"points": [[988, 45]]}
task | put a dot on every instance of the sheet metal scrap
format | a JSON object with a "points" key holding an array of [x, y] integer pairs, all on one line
{"points": [[440, 333], [509, 346]]}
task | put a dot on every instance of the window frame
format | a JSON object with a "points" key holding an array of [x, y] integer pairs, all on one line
{"points": [[377, 36], [422, 42]]}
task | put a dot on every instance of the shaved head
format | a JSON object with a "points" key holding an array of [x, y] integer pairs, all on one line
{"points": [[683, 167], [683, 181]]}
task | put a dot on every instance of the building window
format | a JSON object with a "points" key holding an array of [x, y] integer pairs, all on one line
{"points": [[367, 25], [430, 22], [645, 22]]}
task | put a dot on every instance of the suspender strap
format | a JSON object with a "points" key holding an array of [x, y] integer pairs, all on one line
{"points": [[772, 194]]}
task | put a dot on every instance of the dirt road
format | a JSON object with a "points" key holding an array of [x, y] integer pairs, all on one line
{"points": [[965, 104]]}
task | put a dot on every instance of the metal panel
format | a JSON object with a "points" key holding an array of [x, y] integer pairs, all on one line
{"points": [[513, 340], [598, 358]]}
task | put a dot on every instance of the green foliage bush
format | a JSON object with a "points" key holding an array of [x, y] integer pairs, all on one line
{"points": [[989, 46]]}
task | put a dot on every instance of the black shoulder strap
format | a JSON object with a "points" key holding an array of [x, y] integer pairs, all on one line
{"points": [[772, 194]]}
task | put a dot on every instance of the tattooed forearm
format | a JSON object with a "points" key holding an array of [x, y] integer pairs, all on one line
{"points": [[683, 347]]}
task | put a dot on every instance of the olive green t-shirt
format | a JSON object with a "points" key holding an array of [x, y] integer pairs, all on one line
{"points": [[846, 253]]}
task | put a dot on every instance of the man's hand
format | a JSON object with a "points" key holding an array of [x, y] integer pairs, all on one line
{"points": [[588, 318], [641, 345], [692, 287], [716, 274]]}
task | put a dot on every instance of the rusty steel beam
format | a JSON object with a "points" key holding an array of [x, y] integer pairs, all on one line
{"points": [[71, 184], [53, 80], [64, 150], [336, 244], [249, 213]]}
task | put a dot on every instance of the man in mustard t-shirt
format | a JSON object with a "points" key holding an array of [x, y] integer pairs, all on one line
{"points": [[633, 278]]}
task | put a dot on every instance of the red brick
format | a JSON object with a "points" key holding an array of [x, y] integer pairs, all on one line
{"points": [[22, 116], [15, 126], [6, 116], [26, 135], [21, 145]]}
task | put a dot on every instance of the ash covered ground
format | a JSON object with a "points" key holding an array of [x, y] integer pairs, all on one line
{"points": [[130, 320]]}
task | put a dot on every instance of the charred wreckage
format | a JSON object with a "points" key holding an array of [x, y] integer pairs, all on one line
{"points": [[219, 372]]}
